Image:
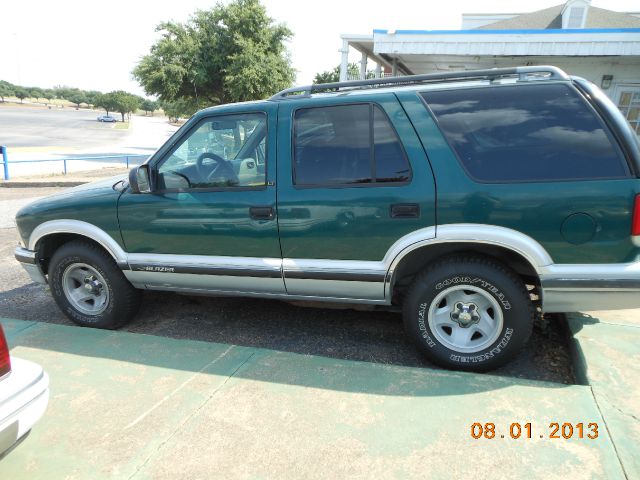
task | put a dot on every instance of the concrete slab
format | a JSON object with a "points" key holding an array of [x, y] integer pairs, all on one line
{"points": [[630, 318], [609, 351], [13, 328], [135, 406]]}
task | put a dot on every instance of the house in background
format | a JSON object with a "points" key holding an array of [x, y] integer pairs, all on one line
{"points": [[600, 45]]}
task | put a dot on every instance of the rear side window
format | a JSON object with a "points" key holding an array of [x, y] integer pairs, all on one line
{"points": [[347, 145], [525, 133]]}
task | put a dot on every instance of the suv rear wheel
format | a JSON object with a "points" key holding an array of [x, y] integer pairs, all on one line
{"points": [[468, 313], [89, 287]]}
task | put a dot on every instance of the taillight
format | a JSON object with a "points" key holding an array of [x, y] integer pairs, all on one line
{"points": [[635, 223], [5, 361]]}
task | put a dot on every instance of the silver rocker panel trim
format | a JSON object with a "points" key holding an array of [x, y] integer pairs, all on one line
{"points": [[585, 287], [559, 300], [335, 278], [204, 273], [275, 296]]}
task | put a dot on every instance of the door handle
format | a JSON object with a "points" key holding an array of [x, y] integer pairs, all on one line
{"points": [[405, 210], [261, 213]]}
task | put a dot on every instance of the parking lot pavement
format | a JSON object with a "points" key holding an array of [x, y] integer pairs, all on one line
{"points": [[126, 405], [59, 129], [608, 347], [33, 133]]}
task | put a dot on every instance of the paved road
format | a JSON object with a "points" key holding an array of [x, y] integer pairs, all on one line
{"points": [[372, 336], [62, 128], [32, 133]]}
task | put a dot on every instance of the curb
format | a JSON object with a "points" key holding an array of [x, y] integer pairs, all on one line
{"points": [[578, 360], [598, 351]]}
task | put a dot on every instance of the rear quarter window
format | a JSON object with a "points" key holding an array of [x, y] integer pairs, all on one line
{"points": [[524, 133]]}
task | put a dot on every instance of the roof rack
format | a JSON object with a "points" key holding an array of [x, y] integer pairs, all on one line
{"points": [[523, 73]]}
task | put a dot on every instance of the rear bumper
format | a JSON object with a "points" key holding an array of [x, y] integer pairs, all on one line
{"points": [[573, 288], [25, 398], [27, 259]]}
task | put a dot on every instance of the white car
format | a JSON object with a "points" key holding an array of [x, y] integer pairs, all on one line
{"points": [[24, 395]]}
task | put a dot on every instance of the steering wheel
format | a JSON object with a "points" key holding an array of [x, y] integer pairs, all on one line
{"points": [[222, 168]]}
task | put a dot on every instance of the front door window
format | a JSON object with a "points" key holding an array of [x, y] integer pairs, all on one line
{"points": [[226, 151]]}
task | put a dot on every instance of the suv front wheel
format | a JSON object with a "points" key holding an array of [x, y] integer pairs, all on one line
{"points": [[468, 313], [89, 287]]}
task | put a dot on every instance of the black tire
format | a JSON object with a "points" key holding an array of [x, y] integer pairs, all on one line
{"points": [[121, 299], [510, 326]]}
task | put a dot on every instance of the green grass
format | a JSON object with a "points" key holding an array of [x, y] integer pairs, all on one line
{"points": [[122, 126]]}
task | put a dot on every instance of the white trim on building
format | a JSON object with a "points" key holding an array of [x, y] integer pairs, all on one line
{"points": [[507, 42], [608, 55]]}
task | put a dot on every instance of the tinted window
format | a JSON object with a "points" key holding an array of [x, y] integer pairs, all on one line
{"points": [[346, 144], [525, 133], [390, 161], [221, 152]]}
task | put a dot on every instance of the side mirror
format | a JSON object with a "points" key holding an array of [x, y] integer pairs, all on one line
{"points": [[139, 179]]}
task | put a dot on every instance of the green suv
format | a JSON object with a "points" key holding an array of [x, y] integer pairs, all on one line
{"points": [[472, 201]]}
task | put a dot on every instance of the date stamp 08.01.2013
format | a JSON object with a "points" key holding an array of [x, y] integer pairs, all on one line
{"points": [[517, 430]]}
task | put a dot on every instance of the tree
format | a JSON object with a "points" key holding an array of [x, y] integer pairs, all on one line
{"points": [[90, 96], [149, 106], [48, 94], [76, 97], [21, 93], [331, 76], [62, 92], [106, 101], [179, 108], [35, 93], [117, 101], [6, 90], [229, 53]]}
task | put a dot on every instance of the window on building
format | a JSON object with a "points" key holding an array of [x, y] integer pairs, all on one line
{"points": [[525, 133], [347, 145], [576, 17], [629, 105]]}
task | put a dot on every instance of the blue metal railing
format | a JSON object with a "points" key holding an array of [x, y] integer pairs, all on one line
{"points": [[126, 159], [5, 162]]}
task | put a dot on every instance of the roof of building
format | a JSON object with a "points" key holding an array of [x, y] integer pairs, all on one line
{"points": [[551, 18]]}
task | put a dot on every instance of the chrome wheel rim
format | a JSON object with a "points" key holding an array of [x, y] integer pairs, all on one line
{"points": [[85, 289], [465, 318]]}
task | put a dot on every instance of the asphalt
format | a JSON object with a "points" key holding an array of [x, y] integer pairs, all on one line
{"points": [[59, 128], [38, 139], [135, 406]]}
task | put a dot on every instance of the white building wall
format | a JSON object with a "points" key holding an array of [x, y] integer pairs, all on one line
{"points": [[593, 70], [625, 71]]}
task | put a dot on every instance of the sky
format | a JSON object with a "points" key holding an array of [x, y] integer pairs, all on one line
{"points": [[94, 45]]}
